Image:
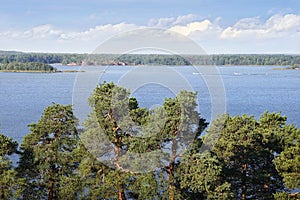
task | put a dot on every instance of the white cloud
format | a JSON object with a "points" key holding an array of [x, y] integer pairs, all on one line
{"points": [[281, 23], [246, 28], [168, 22], [202, 26], [279, 33], [248, 23], [185, 19], [99, 32], [161, 22], [276, 26], [46, 38], [42, 31]]}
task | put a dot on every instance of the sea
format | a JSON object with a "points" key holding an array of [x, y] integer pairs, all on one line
{"points": [[235, 90]]}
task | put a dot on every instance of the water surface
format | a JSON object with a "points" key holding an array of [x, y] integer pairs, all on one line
{"points": [[249, 89]]}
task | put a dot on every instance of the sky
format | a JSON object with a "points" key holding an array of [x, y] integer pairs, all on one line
{"points": [[218, 26]]}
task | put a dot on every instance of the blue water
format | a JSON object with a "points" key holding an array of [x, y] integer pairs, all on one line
{"points": [[248, 89]]}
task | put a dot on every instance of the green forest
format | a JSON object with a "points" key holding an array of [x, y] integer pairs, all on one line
{"points": [[28, 66], [239, 157], [151, 59]]}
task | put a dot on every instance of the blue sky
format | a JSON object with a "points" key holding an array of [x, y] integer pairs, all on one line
{"points": [[232, 26]]}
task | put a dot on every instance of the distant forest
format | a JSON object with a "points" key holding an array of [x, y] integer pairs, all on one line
{"points": [[150, 59], [28, 66]]}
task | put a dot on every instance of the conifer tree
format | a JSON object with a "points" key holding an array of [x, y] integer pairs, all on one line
{"points": [[121, 121], [288, 162], [48, 161], [247, 148], [10, 185]]}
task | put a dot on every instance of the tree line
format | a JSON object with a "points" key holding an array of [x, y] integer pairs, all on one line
{"points": [[151, 59], [239, 157]]}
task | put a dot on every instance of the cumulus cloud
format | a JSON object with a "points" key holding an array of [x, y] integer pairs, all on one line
{"points": [[248, 23], [38, 32], [200, 27], [161, 22], [100, 32], [46, 38], [246, 28], [275, 26], [168, 22], [185, 19], [43, 31], [279, 33]]}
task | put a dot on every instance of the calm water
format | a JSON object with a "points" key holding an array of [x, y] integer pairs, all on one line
{"points": [[249, 89]]}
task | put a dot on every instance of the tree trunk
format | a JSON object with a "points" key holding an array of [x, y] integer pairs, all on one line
{"points": [[117, 150], [244, 175], [121, 193], [171, 187], [50, 190], [244, 187]]}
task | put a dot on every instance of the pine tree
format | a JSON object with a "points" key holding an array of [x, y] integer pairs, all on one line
{"points": [[288, 161], [48, 162], [247, 150], [183, 125], [10, 185], [115, 135]]}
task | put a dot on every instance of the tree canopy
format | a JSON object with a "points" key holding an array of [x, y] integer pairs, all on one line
{"points": [[124, 151]]}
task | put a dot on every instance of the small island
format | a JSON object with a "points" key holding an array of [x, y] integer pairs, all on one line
{"points": [[27, 67], [294, 67]]}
